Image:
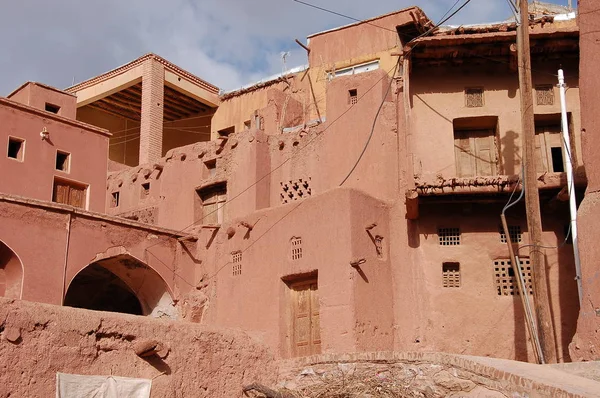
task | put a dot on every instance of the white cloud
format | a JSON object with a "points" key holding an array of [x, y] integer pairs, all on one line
{"points": [[227, 42]]}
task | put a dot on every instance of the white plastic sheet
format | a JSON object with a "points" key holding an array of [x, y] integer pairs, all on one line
{"points": [[79, 386]]}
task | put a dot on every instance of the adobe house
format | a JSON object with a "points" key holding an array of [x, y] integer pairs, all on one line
{"points": [[352, 205], [49, 155]]}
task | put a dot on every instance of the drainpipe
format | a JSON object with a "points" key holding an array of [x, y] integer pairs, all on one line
{"points": [[64, 284], [570, 182]]}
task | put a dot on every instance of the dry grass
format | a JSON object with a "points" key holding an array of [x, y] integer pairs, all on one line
{"points": [[384, 384]]}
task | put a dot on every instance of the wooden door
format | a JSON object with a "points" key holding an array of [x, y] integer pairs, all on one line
{"points": [[306, 332], [69, 193]]}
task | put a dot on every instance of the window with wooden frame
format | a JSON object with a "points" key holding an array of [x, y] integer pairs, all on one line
{"points": [[475, 148], [548, 146], [69, 193], [475, 152], [209, 204]]}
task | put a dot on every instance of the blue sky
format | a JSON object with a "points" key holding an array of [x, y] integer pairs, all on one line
{"points": [[229, 43]]}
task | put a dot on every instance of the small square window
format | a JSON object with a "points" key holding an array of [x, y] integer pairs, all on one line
{"points": [[352, 96], [16, 148], [145, 190], [515, 234], [474, 97], [449, 236], [450, 274], [63, 160], [544, 94], [247, 125], [505, 278], [296, 248], [236, 259], [52, 108], [114, 202]]}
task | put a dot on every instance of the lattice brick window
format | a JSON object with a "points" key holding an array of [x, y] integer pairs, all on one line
{"points": [[544, 94], [505, 280], [449, 236], [352, 96], [379, 246], [450, 274], [515, 234], [236, 259], [473, 97], [295, 190], [296, 248]]}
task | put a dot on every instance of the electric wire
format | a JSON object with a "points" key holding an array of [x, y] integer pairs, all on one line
{"points": [[306, 145]]}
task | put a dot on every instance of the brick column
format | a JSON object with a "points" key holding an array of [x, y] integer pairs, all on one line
{"points": [[151, 129]]}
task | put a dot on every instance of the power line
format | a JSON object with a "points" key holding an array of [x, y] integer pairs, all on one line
{"points": [[306, 145]]}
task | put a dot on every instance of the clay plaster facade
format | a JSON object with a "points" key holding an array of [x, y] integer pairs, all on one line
{"points": [[331, 213]]}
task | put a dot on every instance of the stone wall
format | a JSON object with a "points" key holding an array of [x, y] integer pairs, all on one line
{"points": [[39, 340]]}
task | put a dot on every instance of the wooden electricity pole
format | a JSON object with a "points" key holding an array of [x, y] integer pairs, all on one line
{"points": [[532, 198]]}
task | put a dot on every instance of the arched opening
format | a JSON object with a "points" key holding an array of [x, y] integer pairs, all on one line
{"points": [[121, 283], [96, 288], [11, 273]]}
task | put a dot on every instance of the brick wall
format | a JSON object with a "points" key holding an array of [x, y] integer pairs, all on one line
{"points": [[152, 111]]}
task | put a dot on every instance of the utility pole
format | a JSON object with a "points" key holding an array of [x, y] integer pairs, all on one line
{"points": [[541, 298]]}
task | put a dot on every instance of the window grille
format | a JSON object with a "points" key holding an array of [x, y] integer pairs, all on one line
{"points": [[505, 280], [474, 97], [296, 248], [236, 259], [451, 275], [544, 95], [515, 234], [449, 236]]}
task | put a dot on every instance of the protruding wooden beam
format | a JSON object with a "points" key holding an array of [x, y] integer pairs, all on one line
{"points": [[412, 204]]}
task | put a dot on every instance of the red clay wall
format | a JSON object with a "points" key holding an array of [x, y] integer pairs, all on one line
{"points": [[195, 361], [586, 343], [53, 249], [34, 176], [355, 307]]}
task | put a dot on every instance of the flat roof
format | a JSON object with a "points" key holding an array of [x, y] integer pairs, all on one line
{"points": [[368, 20], [123, 68]]}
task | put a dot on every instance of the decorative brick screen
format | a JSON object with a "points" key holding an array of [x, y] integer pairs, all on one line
{"points": [[236, 259], [449, 236], [515, 234], [474, 97], [544, 95], [296, 248], [295, 190], [505, 278], [451, 275]]}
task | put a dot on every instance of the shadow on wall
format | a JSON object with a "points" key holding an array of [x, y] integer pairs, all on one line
{"points": [[124, 284], [11, 273]]}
